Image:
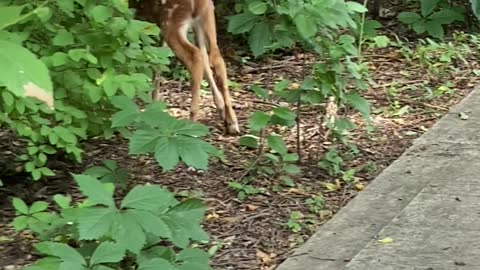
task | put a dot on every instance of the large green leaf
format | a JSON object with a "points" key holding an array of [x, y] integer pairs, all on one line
{"points": [[10, 15], [166, 154], [184, 220], [24, 74], [151, 223], [95, 190], [128, 233], [258, 7], [151, 198], [306, 25], [476, 7], [156, 264], [258, 121], [63, 251], [445, 16], [277, 144], [428, 6], [144, 141], [94, 223], [260, 38], [48, 263], [360, 104], [107, 252], [409, 17], [241, 23]]}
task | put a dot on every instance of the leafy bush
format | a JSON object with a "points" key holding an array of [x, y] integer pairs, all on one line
{"points": [[281, 24], [97, 57], [156, 131], [144, 230], [433, 16]]}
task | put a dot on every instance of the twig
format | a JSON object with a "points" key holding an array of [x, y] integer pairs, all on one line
{"points": [[424, 104], [399, 83]]}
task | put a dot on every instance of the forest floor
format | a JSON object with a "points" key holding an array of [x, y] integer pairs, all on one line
{"points": [[408, 92]]}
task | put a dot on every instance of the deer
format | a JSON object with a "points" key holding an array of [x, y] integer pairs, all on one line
{"points": [[175, 18]]}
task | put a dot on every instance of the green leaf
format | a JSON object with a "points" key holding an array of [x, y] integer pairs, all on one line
{"points": [[143, 141], [277, 144], [191, 129], [24, 74], [63, 38], [107, 252], [306, 25], [151, 198], [381, 41], [48, 263], [151, 223], [166, 154], [20, 223], [419, 27], [249, 141], [357, 7], [184, 221], [241, 23], [63, 251], [125, 117], [38, 206], [259, 91], [66, 265], [194, 259], [445, 16], [434, 29], [10, 15], [191, 151], [94, 223], [285, 113], [62, 200], [409, 17], [94, 190], [8, 98], [258, 7], [101, 13], [360, 104], [128, 233], [43, 13], [428, 6], [476, 8], [20, 206], [260, 38], [65, 134], [258, 121], [156, 264], [291, 169]]}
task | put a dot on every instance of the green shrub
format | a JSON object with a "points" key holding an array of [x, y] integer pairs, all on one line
{"points": [[147, 229]]}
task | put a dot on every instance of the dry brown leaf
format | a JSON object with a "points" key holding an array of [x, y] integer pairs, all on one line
{"points": [[251, 207], [297, 191], [212, 216], [264, 257], [360, 186]]}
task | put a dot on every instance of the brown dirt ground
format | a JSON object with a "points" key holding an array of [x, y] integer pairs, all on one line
{"points": [[252, 234]]}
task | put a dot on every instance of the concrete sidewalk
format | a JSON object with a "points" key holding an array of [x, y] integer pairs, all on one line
{"points": [[428, 202]]}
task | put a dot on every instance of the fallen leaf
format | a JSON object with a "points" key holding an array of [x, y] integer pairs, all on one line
{"points": [[212, 217], [360, 186], [251, 207], [264, 257], [463, 116], [386, 240], [297, 191]]}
